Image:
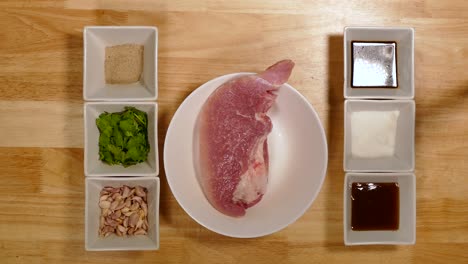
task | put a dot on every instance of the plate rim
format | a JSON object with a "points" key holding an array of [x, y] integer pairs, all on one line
{"points": [[288, 223]]}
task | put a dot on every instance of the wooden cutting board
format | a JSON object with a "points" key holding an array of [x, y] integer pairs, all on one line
{"points": [[41, 127]]}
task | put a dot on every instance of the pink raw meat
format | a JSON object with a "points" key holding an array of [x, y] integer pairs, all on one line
{"points": [[233, 139]]}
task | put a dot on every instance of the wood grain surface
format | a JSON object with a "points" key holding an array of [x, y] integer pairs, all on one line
{"points": [[41, 131]]}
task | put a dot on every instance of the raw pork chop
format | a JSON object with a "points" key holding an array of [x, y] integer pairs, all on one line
{"points": [[233, 139]]}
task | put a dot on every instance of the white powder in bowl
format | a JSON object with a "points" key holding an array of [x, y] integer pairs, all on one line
{"points": [[373, 133]]}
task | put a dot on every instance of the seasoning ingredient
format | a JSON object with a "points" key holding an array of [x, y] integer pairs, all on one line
{"points": [[373, 133], [375, 206], [123, 137], [374, 65], [124, 211], [123, 63]]}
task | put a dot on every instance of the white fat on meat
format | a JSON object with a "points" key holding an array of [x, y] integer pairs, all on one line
{"points": [[254, 181]]}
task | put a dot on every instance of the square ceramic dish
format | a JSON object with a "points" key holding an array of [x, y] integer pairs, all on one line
{"points": [[93, 166], [404, 39], [96, 39], [403, 158], [406, 233], [93, 242]]}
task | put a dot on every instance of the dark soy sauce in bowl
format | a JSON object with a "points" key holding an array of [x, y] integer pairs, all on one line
{"points": [[375, 206]]}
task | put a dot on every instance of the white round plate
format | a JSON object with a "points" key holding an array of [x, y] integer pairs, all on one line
{"points": [[298, 162]]}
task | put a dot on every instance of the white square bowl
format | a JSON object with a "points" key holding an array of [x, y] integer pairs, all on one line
{"points": [[96, 39], [406, 234], [403, 159], [93, 242], [404, 38], [95, 167]]}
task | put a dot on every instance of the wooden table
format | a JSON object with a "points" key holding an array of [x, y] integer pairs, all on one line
{"points": [[41, 128]]}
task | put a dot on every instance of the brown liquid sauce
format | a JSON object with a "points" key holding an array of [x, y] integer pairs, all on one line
{"points": [[375, 206]]}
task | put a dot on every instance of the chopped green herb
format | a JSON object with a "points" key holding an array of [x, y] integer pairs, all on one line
{"points": [[123, 137]]}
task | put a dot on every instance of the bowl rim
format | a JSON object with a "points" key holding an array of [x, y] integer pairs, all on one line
{"points": [[347, 209], [88, 180], [347, 134], [323, 173], [90, 98], [346, 85]]}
